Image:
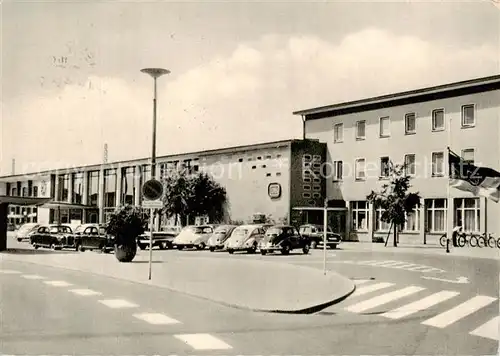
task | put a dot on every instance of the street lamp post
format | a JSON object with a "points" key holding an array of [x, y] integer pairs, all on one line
{"points": [[155, 73]]}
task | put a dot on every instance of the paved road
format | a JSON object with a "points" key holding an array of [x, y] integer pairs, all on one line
{"points": [[68, 312]]}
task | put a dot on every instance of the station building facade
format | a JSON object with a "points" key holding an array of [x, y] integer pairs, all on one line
{"points": [[415, 128]]}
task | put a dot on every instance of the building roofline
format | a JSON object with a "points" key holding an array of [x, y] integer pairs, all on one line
{"points": [[459, 88], [140, 161]]}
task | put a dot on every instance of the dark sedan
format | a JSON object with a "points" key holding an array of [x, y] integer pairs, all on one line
{"points": [[55, 237], [93, 237], [316, 234], [284, 238]]}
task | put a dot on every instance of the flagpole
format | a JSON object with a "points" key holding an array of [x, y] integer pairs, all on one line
{"points": [[449, 205]]}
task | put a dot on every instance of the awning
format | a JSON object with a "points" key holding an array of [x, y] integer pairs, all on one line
{"points": [[7, 199], [66, 205], [303, 208]]}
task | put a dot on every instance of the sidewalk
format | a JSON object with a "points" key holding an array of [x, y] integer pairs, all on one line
{"points": [[246, 284], [485, 252]]}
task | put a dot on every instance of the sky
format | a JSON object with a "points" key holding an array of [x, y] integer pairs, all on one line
{"points": [[71, 79]]}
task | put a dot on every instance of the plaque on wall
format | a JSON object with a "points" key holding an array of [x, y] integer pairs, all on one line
{"points": [[274, 190]]}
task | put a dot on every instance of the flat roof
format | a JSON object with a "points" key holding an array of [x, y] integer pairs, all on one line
{"points": [[159, 159], [22, 200], [465, 87]]}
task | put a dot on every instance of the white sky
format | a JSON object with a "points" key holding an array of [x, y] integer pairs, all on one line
{"points": [[238, 69]]}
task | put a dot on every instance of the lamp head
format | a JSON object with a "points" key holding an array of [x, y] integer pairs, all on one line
{"points": [[155, 72]]}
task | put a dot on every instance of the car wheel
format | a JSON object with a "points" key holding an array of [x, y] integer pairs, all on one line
{"points": [[180, 247], [305, 249], [141, 246], [285, 250], [231, 251], [212, 249], [252, 249], [200, 246], [35, 246], [263, 252], [314, 244], [52, 246], [334, 246], [19, 240]]}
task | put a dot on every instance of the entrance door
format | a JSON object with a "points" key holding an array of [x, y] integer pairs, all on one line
{"points": [[337, 221]]}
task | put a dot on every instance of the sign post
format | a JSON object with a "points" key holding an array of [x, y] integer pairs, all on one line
{"points": [[325, 229], [152, 191]]}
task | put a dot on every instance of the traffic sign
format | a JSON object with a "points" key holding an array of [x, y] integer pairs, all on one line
{"points": [[152, 204], [152, 190]]}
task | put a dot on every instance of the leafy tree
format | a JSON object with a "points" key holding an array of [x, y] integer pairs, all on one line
{"points": [[395, 200], [193, 195]]}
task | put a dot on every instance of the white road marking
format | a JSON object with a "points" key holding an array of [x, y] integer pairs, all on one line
{"points": [[377, 263], [420, 305], [391, 264], [460, 311], [383, 299], [371, 288], [9, 271], [203, 342], [156, 318], [32, 276], [58, 283], [360, 281], [405, 266], [418, 268], [489, 330], [85, 292], [117, 303]]}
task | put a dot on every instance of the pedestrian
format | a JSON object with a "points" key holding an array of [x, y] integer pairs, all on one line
{"points": [[454, 237]]}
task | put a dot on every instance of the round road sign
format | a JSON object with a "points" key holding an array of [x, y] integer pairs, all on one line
{"points": [[152, 189]]}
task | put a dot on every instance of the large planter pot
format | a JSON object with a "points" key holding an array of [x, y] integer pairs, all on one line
{"points": [[125, 252]]}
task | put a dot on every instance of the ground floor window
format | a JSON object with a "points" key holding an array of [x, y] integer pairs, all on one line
{"points": [[379, 224], [435, 215], [360, 215], [467, 214], [412, 223]]}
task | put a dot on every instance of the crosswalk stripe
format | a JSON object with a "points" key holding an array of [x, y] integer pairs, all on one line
{"points": [[407, 265], [156, 318], [378, 263], [85, 292], [117, 303], [32, 276], [489, 329], [9, 271], [391, 264], [420, 305], [203, 342], [58, 283], [371, 288], [383, 299], [460, 311]]}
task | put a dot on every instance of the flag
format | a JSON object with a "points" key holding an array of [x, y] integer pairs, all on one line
{"points": [[480, 181]]}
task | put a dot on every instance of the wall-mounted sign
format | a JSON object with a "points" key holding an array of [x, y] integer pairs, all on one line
{"points": [[274, 190]]}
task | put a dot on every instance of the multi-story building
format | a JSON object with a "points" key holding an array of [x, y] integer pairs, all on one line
{"points": [[415, 128], [269, 178]]}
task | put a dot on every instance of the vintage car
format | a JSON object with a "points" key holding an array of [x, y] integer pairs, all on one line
{"points": [[161, 239], [245, 238], [93, 237], [219, 237], [284, 238], [316, 234], [193, 236], [53, 236], [25, 231]]}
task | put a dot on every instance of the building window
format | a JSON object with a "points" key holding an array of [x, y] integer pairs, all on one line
{"points": [[468, 116], [412, 223], [435, 215], [410, 123], [109, 188], [25, 192], [306, 195], [337, 170], [268, 174], [437, 164], [240, 160], [77, 188], [379, 224], [306, 187], [360, 130], [468, 155], [14, 192], [360, 169], [360, 215], [438, 120], [278, 174], [128, 186], [338, 133], [410, 165], [385, 127], [253, 167], [93, 188], [385, 167], [35, 191], [146, 172], [467, 214]]}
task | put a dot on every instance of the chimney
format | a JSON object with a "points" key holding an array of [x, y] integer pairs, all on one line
{"points": [[13, 166]]}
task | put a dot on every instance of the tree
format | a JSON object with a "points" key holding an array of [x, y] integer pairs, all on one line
{"points": [[395, 200], [191, 195]]}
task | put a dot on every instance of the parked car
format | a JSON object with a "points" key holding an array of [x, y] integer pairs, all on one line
{"points": [[245, 238], [53, 236], [284, 238], [315, 234], [219, 237], [93, 237], [162, 239], [25, 231], [193, 236]]}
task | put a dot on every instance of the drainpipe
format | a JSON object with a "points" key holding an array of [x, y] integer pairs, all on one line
{"points": [[303, 127]]}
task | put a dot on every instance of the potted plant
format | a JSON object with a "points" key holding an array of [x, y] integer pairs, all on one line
{"points": [[126, 224]]}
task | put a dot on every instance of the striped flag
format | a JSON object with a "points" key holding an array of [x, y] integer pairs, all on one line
{"points": [[480, 181]]}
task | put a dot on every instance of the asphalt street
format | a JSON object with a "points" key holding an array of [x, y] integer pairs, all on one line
{"points": [[54, 311]]}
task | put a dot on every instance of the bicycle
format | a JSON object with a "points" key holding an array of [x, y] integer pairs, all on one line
{"points": [[473, 240]]}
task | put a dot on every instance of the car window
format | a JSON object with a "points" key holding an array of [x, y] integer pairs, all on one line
{"points": [[208, 230], [274, 231], [42, 230], [87, 230], [64, 229]]}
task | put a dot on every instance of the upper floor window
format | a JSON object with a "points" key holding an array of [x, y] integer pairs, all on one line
{"points": [[410, 123], [468, 155], [410, 164], [25, 192], [360, 130], [35, 191], [337, 170], [338, 133], [437, 164], [385, 126], [360, 169], [468, 116], [438, 120], [385, 167]]}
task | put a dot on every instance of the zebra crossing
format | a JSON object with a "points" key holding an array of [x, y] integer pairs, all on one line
{"points": [[377, 294], [413, 267]]}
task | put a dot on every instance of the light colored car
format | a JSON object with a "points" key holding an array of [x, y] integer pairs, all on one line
{"points": [[193, 236], [245, 238], [25, 231], [162, 239], [219, 237]]}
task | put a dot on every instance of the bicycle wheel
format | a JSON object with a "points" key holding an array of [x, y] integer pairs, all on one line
{"points": [[461, 241], [442, 241], [491, 242], [473, 238]]}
